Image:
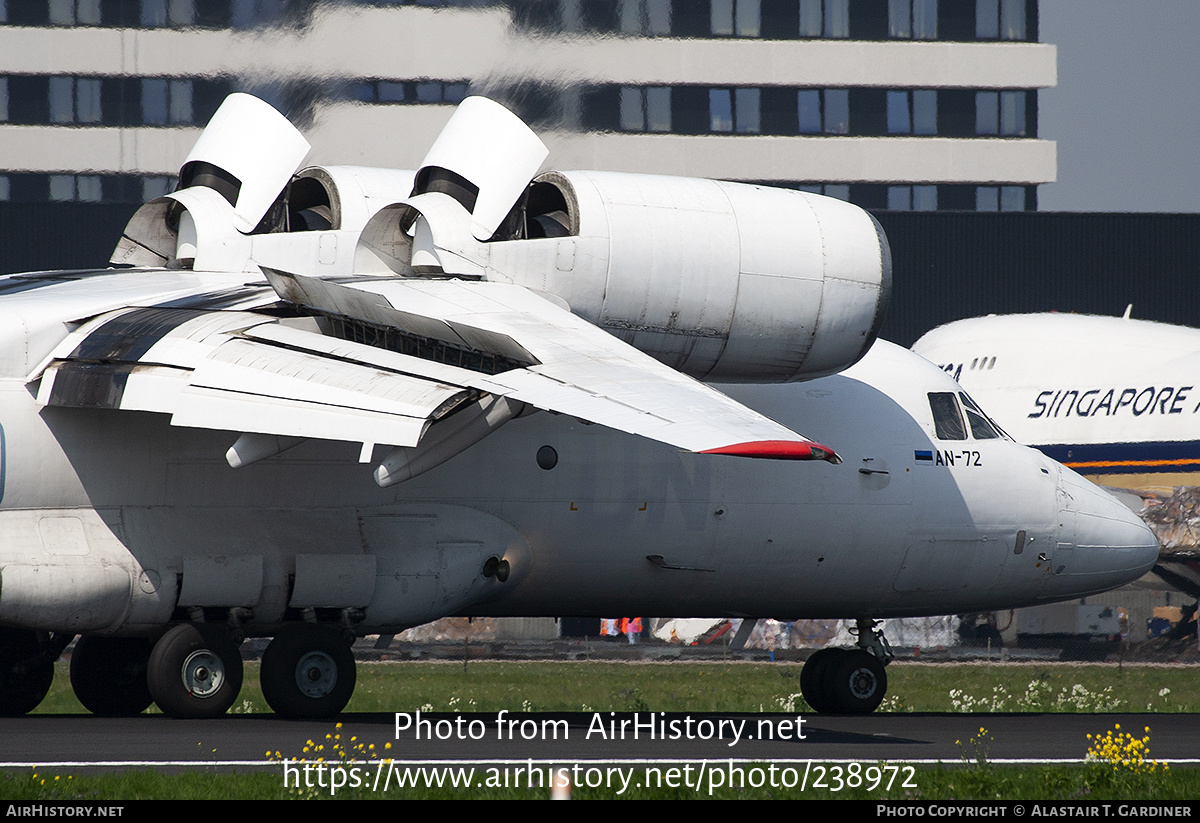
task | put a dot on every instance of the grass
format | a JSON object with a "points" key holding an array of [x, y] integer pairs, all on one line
{"points": [[704, 687]]}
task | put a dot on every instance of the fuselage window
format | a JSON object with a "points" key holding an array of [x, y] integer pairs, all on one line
{"points": [[947, 420]]}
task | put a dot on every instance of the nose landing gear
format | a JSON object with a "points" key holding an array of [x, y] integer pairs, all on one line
{"points": [[848, 681]]}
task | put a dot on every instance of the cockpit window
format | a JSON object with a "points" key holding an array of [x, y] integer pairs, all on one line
{"points": [[981, 427], [947, 421]]}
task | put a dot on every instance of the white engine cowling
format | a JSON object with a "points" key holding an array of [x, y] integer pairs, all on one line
{"points": [[725, 282]]}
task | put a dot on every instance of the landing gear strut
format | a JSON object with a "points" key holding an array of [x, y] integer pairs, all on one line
{"points": [[848, 681], [108, 675], [195, 671], [308, 672]]}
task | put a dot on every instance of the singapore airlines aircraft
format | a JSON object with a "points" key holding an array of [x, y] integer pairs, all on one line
{"points": [[339, 402]]}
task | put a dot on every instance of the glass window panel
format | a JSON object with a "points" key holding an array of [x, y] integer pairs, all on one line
{"points": [[62, 187], [837, 111], [658, 14], [924, 111], [88, 188], [455, 92], [924, 198], [154, 13], [981, 427], [837, 18], [658, 108], [947, 420], [898, 121], [87, 13], [153, 187], [925, 14], [181, 101], [1012, 198], [720, 110], [62, 12], [87, 100], [899, 198], [748, 18], [633, 115], [62, 99], [631, 16], [429, 92], [814, 188], [3, 99], [722, 17], [900, 18], [5, 189], [154, 102], [839, 190], [181, 13], [1012, 19], [987, 19], [987, 198], [811, 24], [987, 112], [808, 107], [389, 91], [1012, 113], [747, 110], [361, 91]]}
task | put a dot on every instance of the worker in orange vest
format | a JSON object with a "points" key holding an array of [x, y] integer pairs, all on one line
{"points": [[632, 627]]}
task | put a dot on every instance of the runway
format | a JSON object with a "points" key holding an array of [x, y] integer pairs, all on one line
{"points": [[240, 741]]}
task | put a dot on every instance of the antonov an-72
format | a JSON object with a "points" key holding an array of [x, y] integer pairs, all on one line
{"points": [[318, 405]]}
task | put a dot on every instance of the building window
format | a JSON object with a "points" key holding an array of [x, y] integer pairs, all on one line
{"points": [[823, 110], [912, 111], [1000, 20], [1000, 113], [84, 187], [155, 187], [1000, 198], [912, 198], [74, 100], [5, 188], [646, 109], [736, 18], [74, 12], [166, 101], [913, 19], [3, 99], [825, 18], [734, 110], [649, 17]]}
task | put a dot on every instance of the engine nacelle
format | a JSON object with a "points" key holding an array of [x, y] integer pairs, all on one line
{"points": [[241, 204], [723, 281]]}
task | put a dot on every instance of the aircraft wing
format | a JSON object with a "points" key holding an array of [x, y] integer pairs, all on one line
{"points": [[561, 362], [383, 360]]}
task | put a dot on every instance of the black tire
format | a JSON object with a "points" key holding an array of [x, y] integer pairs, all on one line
{"points": [[24, 680], [108, 675], [857, 683], [308, 672], [814, 679], [194, 671]]}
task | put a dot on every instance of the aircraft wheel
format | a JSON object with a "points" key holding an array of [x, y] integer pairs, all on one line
{"points": [[108, 675], [194, 671], [857, 682], [23, 684], [308, 672], [814, 679]]}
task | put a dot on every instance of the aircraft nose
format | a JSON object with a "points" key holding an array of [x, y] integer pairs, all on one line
{"points": [[1106, 545]]}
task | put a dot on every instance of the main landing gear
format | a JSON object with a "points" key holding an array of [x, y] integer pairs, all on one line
{"points": [[848, 681], [26, 668], [308, 672]]}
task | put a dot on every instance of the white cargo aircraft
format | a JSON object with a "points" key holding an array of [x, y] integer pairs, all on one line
{"points": [[191, 454]]}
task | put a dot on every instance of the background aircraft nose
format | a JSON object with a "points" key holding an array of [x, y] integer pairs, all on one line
{"points": [[1101, 543]]}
